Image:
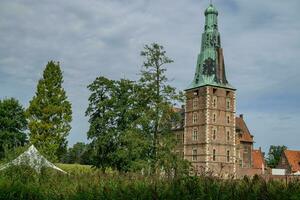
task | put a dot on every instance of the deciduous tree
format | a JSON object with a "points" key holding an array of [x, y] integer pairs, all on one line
{"points": [[13, 125], [274, 155]]}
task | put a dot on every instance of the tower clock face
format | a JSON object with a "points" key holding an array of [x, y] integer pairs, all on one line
{"points": [[209, 67]]}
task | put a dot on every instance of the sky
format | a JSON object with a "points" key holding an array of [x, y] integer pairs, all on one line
{"points": [[90, 38]]}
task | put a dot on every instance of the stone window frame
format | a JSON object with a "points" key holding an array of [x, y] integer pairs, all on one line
{"points": [[194, 154], [214, 118], [228, 120], [228, 103], [214, 133], [228, 135], [195, 102], [228, 156], [214, 155], [215, 102], [195, 117], [195, 133]]}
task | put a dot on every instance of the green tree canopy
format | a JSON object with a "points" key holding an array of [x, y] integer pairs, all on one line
{"points": [[50, 114], [161, 98], [130, 122], [113, 110], [274, 155], [79, 153], [13, 125]]}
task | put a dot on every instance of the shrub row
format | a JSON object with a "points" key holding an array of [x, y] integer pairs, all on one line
{"points": [[24, 183]]}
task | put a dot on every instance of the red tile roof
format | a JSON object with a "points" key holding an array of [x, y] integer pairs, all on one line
{"points": [[258, 160], [241, 125], [293, 158]]}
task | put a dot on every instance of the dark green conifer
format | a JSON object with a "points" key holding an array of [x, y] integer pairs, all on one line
{"points": [[50, 114]]}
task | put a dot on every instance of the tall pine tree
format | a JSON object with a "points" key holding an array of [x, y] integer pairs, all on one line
{"points": [[50, 114]]}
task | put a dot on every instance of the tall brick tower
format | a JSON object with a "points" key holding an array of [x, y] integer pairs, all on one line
{"points": [[209, 134]]}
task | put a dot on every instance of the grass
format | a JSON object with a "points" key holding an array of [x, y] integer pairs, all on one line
{"points": [[84, 182]]}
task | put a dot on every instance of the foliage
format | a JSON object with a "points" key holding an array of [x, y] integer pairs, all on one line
{"points": [[23, 183], [160, 99], [274, 155], [79, 153], [130, 122], [113, 111], [50, 114], [13, 125]]}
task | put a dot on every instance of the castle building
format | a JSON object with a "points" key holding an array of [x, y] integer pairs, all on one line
{"points": [[212, 138]]}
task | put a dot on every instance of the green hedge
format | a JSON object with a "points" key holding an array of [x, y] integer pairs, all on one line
{"points": [[24, 183]]}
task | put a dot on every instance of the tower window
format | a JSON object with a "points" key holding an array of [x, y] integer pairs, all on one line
{"points": [[194, 155], [228, 104], [195, 103], [214, 135], [215, 102], [195, 134], [228, 156], [195, 118], [214, 118], [228, 136], [228, 119], [214, 155]]}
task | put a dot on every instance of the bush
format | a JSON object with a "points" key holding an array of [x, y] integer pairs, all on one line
{"points": [[25, 183]]}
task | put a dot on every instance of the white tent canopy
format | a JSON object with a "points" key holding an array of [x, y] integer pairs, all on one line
{"points": [[32, 158]]}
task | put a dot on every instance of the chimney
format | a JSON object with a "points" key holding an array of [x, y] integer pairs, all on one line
{"points": [[259, 149], [241, 116]]}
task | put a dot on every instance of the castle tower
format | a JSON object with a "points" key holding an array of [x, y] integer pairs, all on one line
{"points": [[209, 134]]}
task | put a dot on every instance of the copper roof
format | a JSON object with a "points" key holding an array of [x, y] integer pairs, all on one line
{"points": [[258, 160], [293, 158], [241, 125]]}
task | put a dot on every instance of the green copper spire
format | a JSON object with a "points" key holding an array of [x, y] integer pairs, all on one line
{"points": [[210, 69]]}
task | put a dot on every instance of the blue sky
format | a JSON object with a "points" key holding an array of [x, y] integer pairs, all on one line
{"points": [[104, 37]]}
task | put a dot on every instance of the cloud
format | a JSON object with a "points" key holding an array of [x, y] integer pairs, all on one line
{"points": [[104, 37]]}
